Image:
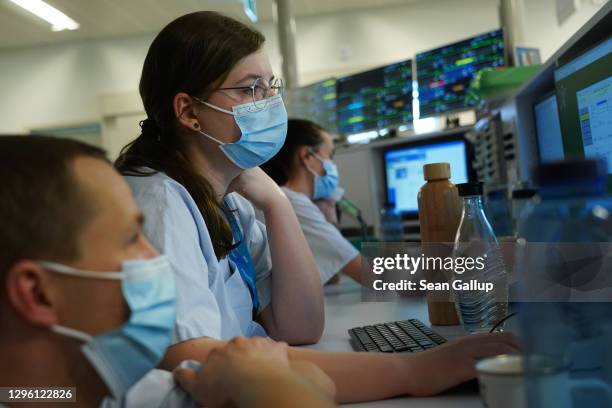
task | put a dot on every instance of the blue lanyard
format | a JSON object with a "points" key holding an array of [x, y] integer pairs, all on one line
{"points": [[242, 259]]}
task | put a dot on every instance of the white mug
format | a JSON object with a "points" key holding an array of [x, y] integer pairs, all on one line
{"points": [[502, 382]]}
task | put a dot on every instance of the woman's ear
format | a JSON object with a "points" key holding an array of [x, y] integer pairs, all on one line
{"points": [[185, 111], [303, 153]]}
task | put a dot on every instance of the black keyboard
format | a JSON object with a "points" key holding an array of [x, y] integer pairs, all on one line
{"points": [[403, 336]]}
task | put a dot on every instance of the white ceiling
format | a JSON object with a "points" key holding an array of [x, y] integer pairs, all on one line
{"points": [[113, 18]]}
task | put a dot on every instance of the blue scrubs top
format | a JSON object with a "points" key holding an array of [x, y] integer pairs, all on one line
{"points": [[213, 298]]}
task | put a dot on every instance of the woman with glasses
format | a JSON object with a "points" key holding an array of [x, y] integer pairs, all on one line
{"points": [[214, 114]]}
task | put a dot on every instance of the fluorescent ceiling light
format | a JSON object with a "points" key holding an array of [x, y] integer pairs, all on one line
{"points": [[363, 137], [58, 20], [250, 9]]}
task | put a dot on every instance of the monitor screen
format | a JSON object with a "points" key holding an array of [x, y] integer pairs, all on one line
{"points": [[548, 129], [316, 102], [404, 170], [375, 99], [584, 94], [445, 74]]}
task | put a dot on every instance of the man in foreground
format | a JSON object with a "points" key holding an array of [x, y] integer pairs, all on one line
{"points": [[87, 302]]}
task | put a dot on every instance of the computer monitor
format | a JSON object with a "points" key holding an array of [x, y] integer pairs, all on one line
{"points": [[404, 168], [375, 99], [444, 74], [548, 129], [584, 94], [315, 102]]}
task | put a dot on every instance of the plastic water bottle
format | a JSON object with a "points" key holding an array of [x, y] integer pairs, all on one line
{"points": [[482, 306], [520, 199], [563, 257], [391, 224], [497, 209]]}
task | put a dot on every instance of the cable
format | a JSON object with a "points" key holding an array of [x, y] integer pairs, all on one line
{"points": [[502, 321]]}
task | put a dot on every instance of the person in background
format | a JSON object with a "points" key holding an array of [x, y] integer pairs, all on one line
{"points": [[214, 115], [87, 302], [308, 176]]}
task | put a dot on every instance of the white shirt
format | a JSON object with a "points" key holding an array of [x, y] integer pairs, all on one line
{"points": [[330, 249], [156, 390], [213, 300]]}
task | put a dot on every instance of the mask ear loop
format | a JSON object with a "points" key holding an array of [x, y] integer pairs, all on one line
{"points": [[197, 129], [315, 154], [196, 125], [72, 333], [310, 153], [210, 105], [67, 270], [320, 159]]}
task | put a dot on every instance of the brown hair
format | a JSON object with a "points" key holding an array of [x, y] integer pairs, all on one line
{"points": [[191, 55], [300, 132], [42, 208]]}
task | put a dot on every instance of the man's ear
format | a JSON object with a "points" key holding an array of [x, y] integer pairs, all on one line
{"points": [[30, 293], [185, 112]]}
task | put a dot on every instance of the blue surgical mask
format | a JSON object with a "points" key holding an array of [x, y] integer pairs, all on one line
{"points": [[124, 355], [324, 186], [263, 132]]}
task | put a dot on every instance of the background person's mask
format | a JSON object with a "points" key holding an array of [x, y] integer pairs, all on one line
{"points": [[324, 186]]}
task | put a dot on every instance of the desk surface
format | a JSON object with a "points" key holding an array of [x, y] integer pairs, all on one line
{"points": [[344, 310]]}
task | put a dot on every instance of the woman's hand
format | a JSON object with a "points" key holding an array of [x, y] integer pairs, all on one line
{"points": [[451, 364], [257, 187], [225, 367], [255, 372], [328, 208]]}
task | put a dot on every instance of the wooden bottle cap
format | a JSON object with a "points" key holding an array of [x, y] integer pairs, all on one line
{"points": [[436, 171]]}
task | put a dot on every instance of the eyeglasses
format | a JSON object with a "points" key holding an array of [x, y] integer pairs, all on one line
{"points": [[260, 91]]}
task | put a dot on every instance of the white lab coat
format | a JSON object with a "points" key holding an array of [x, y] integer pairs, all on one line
{"points": [[212, 298]]}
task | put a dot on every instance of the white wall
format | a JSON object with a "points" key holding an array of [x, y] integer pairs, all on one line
{"points": [[542, 29], [62, 84], [379, 36]]}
